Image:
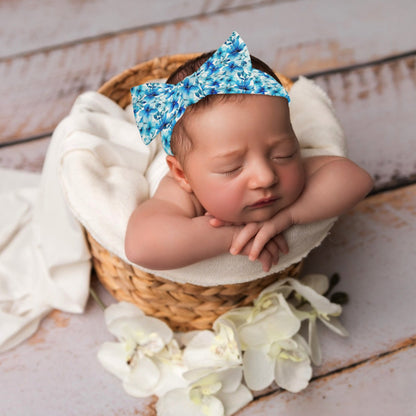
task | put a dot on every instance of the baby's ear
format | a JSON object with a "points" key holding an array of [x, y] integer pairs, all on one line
{"points": [[178, 173]]}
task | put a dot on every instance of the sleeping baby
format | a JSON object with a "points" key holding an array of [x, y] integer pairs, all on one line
{"points": [[236, 177]]}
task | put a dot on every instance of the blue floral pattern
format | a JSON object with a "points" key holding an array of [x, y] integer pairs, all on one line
{"points": [[158, 106]]}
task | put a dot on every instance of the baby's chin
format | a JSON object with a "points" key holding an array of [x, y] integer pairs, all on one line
{"points": [[255, 215]]}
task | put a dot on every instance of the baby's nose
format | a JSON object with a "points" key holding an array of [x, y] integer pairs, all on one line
{"points": [[263, 175]]}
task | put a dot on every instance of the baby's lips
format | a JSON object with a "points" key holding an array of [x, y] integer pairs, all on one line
{"points": [[263, 202]]}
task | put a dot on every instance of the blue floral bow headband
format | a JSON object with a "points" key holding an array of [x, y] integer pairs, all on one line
{"points": [[158, 106]]}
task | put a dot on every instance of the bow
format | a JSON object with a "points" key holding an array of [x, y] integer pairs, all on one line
{"points": [[158, 106]]}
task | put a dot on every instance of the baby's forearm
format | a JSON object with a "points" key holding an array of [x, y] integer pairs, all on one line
{"points": [[333, 189], [169, 243]]}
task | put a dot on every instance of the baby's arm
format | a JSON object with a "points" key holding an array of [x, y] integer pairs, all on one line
{"points": [[333, 186], [167, 232]]}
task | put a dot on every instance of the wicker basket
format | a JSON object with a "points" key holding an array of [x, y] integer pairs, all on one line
{"points": [[183, 306]]}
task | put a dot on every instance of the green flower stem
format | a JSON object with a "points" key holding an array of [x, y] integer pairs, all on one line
{"points": [[97, 299]]}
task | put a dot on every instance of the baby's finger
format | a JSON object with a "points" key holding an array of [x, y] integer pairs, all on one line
{"points": [[274, 250], [243, 237], [265, 259], [215, 222], [281, 242], [264, 235]]}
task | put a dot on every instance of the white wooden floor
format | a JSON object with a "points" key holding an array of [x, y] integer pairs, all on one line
{"points": [[362, 53]]}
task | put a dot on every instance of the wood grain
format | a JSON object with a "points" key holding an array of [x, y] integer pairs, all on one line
{"points": [[376, 107], [54, 23], [27, 156], [382, 387], [38, 89]]}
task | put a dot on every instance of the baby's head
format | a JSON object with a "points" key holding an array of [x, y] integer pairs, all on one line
{"points": [[180, 141], [233, 148], [237, 153]]}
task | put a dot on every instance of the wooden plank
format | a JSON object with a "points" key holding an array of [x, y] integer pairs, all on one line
{"points": [[372, 249], [61, 372], [25, 156], [38, 89], [383, 386], [328, 32], [376, 106], [28, 25]]}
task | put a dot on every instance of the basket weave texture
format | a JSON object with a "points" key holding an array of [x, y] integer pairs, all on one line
{"points": [[182, 306]]}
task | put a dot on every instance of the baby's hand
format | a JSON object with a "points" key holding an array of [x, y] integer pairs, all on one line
{"points": [[261, 233], [268, 257], [269, 254]]}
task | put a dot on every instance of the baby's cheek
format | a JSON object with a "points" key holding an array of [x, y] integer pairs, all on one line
{"points": [[227, 207]]}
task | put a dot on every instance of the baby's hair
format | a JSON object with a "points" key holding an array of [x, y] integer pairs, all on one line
{"points": [[181, 143]]}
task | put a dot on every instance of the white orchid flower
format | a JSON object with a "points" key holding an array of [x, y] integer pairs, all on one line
{"points": [[218, 349], [146, 358], [218, 393], [203, 375], [272, 349], [311, 288]]}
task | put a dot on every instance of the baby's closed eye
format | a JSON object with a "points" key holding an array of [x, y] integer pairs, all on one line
{"points": [[231, 171]]}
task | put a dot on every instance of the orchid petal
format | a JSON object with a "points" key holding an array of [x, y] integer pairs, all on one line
{"points": [[207, 374], [141, 330], [287, 344], [121, 310], [234, 401], [211, 406], [258, 369], [292, 375], [280, 285], [279, 325], [320, 303], [177, 402], [171, 377], [153, 325], [314, 345], [318, 282], [198, 352], [303, 313], [207, 349], [112, 356], [184, 338], [123, 328], [238, 316], [335, 325], [231, 379], [143, 378], [302, 345]]}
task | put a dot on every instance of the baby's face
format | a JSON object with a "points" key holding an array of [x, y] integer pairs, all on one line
{"points": [[245, 164]]}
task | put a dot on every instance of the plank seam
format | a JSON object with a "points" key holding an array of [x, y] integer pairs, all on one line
{"points": [[130, 30], [409, 343], [348, 68], [25, 140]]}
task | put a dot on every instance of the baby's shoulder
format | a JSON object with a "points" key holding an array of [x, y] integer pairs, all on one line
{"points": [[313, 163], [170, 192]]}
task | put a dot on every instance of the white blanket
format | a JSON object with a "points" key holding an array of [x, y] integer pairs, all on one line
{"points": [[106, 171]]}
